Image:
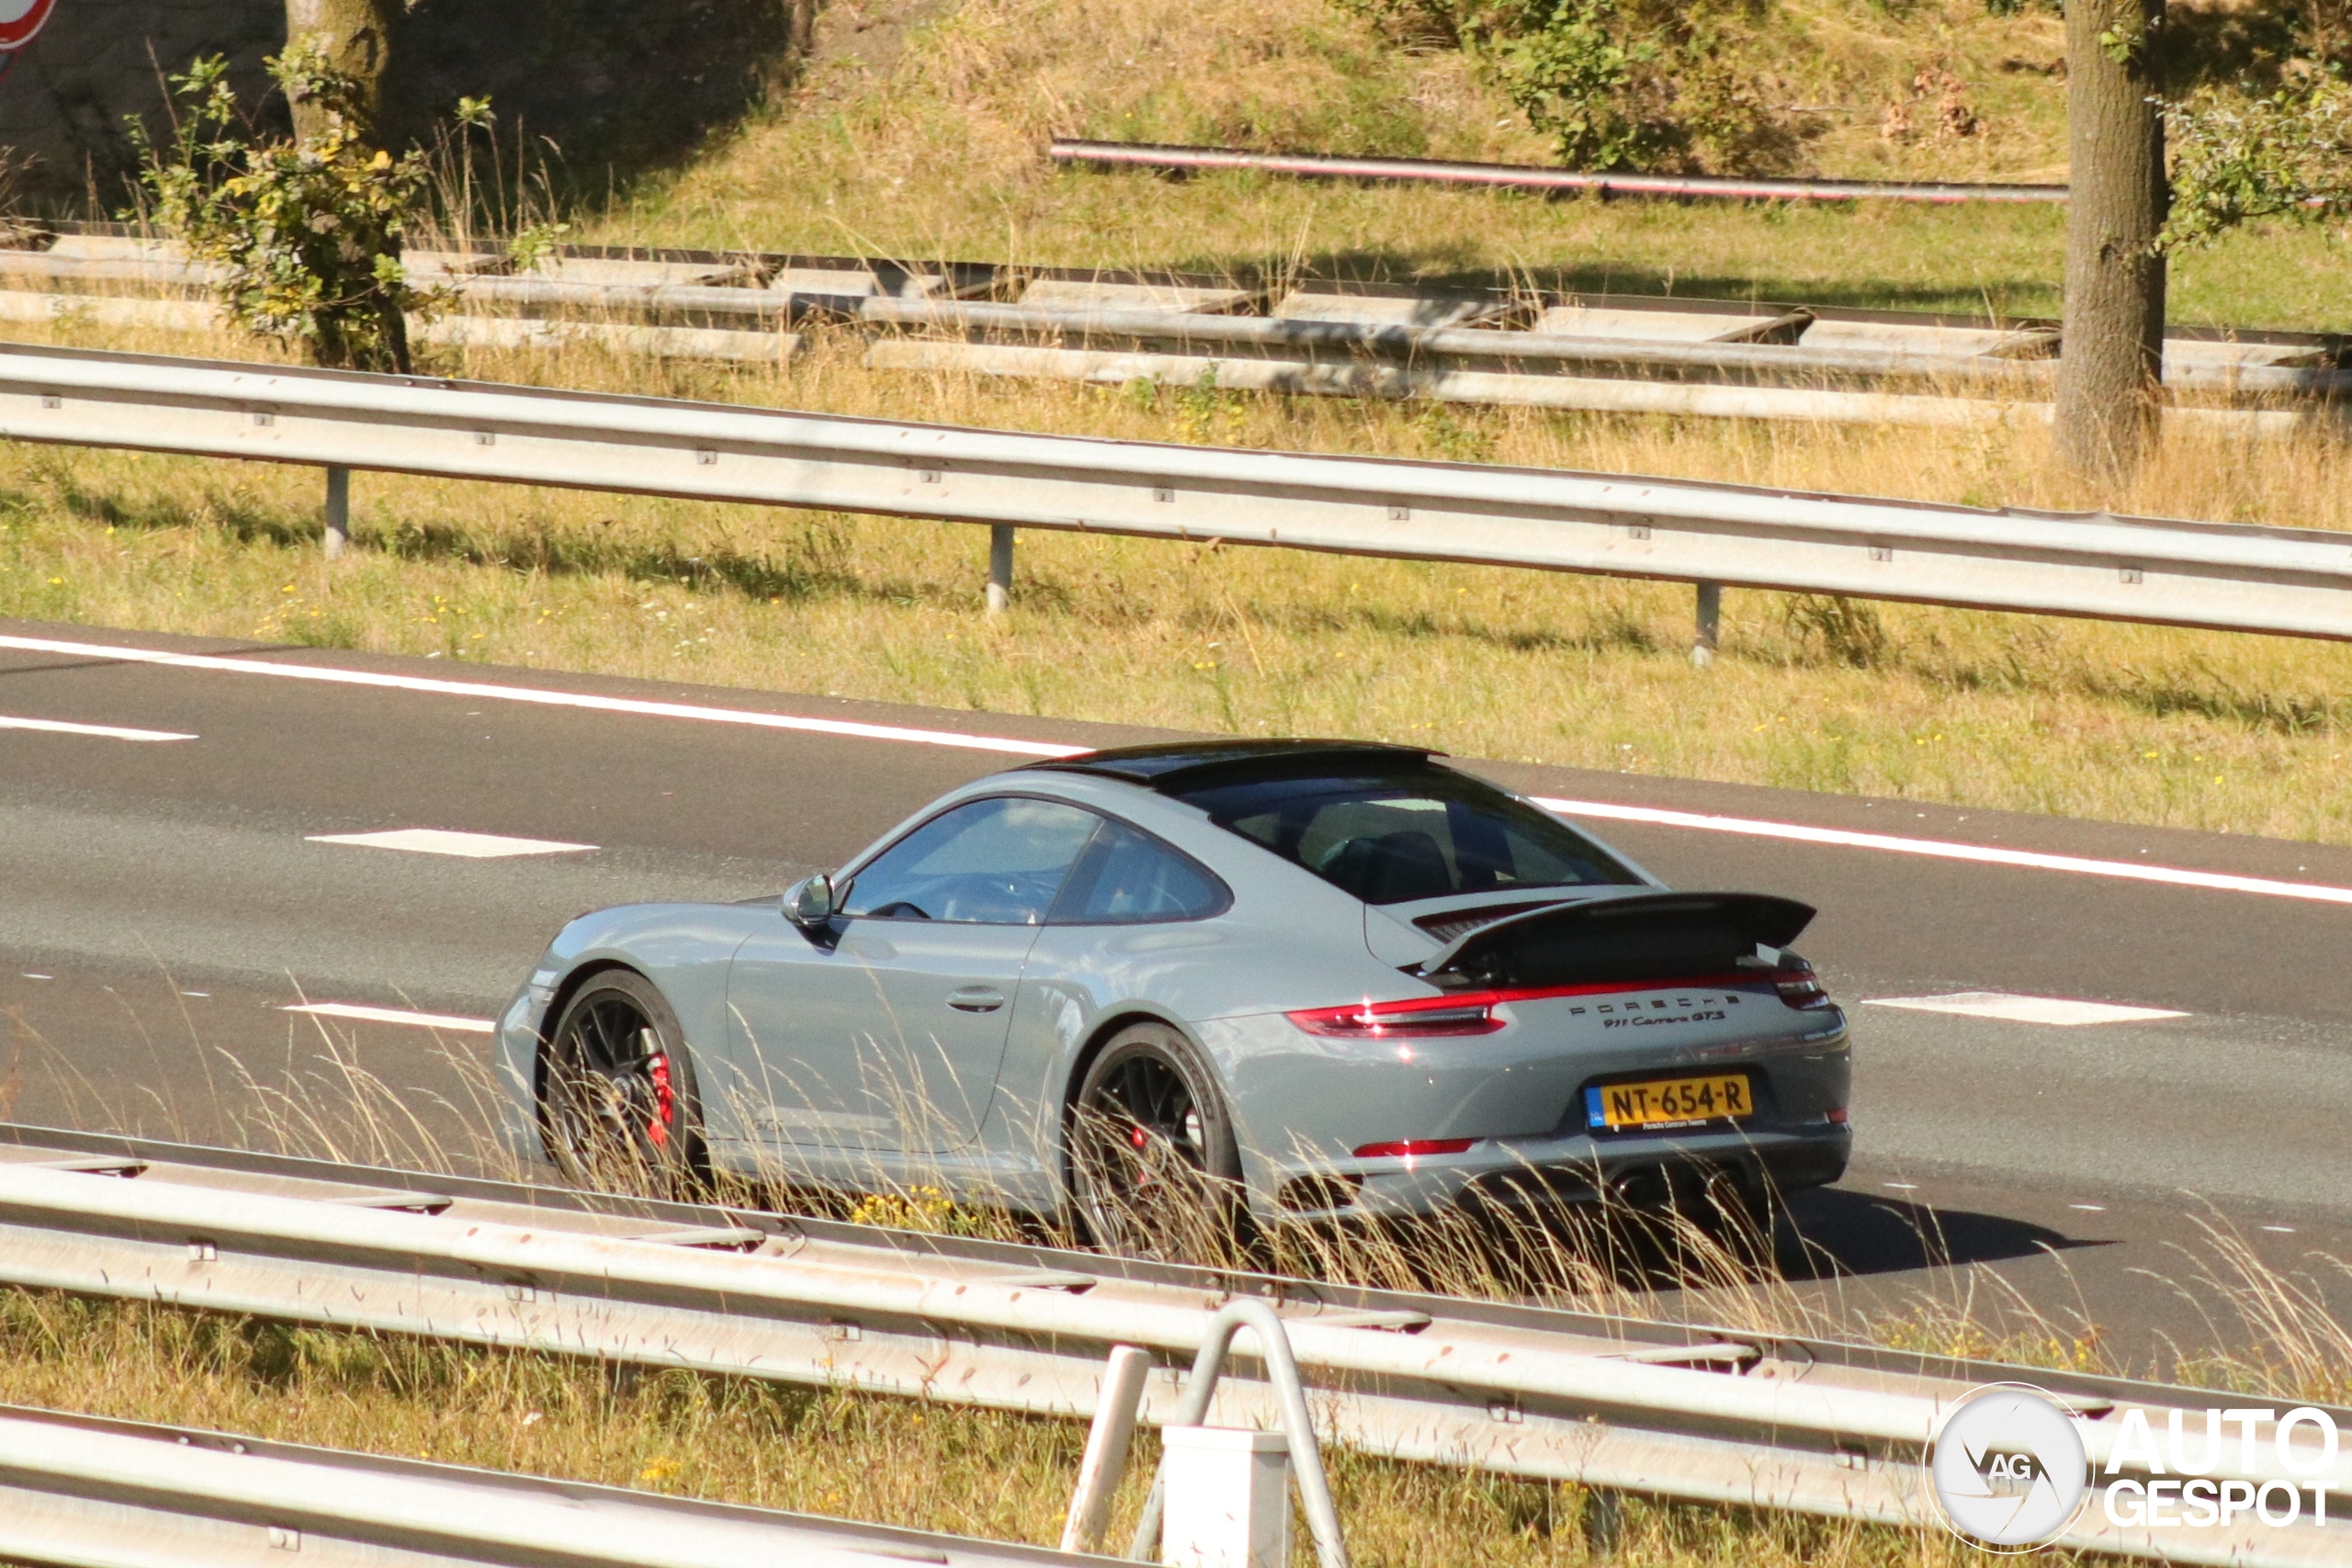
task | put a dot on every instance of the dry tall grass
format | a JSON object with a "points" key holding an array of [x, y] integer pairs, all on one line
{"points": [[2234, 733]]}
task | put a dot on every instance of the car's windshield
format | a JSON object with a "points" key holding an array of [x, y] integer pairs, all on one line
{"points": [[1419, 832]]}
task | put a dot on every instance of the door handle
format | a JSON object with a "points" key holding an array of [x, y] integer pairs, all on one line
{"points": [[975, 999]]}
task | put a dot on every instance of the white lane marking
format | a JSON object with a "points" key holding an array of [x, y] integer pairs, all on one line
{"points": [[2089, 1208], [103, 731], [1901, 1186], [2280, 1230], [482, 689], [2059, 1010], [443, 841], [31, 975], [1944, 850], [358, 1014], [1799, 832]]}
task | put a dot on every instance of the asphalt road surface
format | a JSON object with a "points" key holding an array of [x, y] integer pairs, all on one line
{"points": [[166, 901]]}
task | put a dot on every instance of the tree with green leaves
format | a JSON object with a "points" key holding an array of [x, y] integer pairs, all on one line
{"points": [[306, 235]]}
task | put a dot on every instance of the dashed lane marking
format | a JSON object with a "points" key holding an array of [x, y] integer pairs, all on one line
{"points": [[2061, 1012], [443, 841], [101, 731], [358, 1014]]}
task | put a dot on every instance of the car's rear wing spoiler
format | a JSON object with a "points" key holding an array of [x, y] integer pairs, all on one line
{"points": [[1638, 936]]}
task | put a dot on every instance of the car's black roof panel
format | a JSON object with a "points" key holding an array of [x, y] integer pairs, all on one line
{"points": [[1179, 762]]}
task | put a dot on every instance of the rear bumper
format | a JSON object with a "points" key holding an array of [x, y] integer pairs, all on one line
{"points": [[1305, 1105], [1524, 1172]]}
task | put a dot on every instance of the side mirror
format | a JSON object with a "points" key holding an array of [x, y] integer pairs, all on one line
{"points": [[811, 902]]}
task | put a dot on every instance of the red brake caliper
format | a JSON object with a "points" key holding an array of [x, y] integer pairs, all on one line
{"points": [[665, 1099]]}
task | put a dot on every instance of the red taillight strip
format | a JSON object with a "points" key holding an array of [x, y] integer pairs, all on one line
{"points": [[1470, 1013]]}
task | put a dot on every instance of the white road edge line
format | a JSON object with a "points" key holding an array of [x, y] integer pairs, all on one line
{"points": [[1939, 849], [103, 731], [487, 691], [1607, 811], [358, 1014]]}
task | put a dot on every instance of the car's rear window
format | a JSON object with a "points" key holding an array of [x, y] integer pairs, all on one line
{"points": [[1415, 833]]}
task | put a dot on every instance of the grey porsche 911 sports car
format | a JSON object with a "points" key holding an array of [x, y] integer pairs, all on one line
{"points": [[1318, 978]]}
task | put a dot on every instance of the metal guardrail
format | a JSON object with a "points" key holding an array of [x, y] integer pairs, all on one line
{"points": [[2289, 581], [97, 1494], [1169, 159], [1690, 357], [1751, 1419]]}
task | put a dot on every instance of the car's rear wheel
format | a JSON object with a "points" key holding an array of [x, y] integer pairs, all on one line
{"points": [[617, 1108], [1155, 1168]]}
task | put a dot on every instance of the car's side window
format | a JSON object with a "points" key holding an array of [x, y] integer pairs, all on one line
{"points": [[996, 862], [1128, 877]]}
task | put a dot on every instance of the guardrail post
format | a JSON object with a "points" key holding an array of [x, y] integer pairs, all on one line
{"points": [[1604, 1521], [1711, 623], [1107, 1445], [999, 567], [338, 535]]}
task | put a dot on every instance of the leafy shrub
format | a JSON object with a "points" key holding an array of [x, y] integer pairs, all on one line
{"points": [[307, 232], [1615, 84], [2239, 156]]}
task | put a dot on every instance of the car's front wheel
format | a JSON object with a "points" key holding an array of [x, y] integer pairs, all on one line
{"points": [[618, 1103], [1155, 1167]]}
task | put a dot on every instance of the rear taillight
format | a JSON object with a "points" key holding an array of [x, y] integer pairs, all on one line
{"points": [[1422, 1018], [1797, 984], [1413, 1148]]}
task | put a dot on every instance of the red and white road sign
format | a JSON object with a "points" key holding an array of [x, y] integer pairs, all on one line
{"points": [[21, 19]]}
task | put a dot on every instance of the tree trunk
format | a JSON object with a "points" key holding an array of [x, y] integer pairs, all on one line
{"points": [[2110, 379], [358, 38]]}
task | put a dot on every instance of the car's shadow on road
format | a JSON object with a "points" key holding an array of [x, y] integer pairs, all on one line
{"points": [[1838, 1234]]}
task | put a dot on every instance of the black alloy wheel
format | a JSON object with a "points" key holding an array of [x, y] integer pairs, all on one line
{"points": [[1154, 1167], [617, 1106]]}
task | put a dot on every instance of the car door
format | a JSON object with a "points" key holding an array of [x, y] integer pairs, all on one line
{"points": [[886, 1031]]}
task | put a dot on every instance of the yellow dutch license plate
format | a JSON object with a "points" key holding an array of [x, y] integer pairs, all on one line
{"points": [[1724, 1097]]}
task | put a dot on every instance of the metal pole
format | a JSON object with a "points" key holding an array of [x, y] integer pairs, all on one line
{"points": [[1107, 1445], [338, 535], [1711, 623], [999, 567]]}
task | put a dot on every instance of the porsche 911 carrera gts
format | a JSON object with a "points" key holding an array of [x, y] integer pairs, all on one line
{"points": [[1310, 979]]}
